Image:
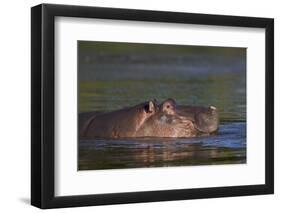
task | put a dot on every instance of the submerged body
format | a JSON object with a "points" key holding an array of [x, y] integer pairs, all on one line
{"points": [[150, 120]]}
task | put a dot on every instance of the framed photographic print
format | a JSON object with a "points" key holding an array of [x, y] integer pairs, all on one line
{"points": [[139, 106]]}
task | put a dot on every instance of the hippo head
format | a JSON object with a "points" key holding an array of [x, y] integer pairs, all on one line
{"points": [[205, 119]]}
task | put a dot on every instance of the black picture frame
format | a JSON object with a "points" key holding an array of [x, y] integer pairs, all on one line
{"points": [[43, 111]]}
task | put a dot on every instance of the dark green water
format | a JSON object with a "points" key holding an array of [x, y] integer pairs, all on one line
{"points": [[115, 75]]}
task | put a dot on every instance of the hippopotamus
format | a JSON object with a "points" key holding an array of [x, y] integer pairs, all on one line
{"points": [[148, 119], [118, 124]]}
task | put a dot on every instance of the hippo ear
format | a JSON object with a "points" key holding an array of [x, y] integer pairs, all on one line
{"points": [[151, 107]]}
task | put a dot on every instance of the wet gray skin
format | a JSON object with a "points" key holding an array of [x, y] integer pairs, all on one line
{"points": [[205, 119], [181, 121], [150, 120], [123, 123], [166, 122]]}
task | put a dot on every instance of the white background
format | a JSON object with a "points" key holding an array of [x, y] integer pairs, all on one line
{"points": [[70, 182], [15, 106]]}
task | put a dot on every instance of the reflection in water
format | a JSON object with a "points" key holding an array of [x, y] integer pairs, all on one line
{"points": [[228, 147]]}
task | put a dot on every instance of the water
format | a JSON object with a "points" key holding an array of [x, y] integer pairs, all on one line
{"points": [[229, 147], [113, 76]]}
